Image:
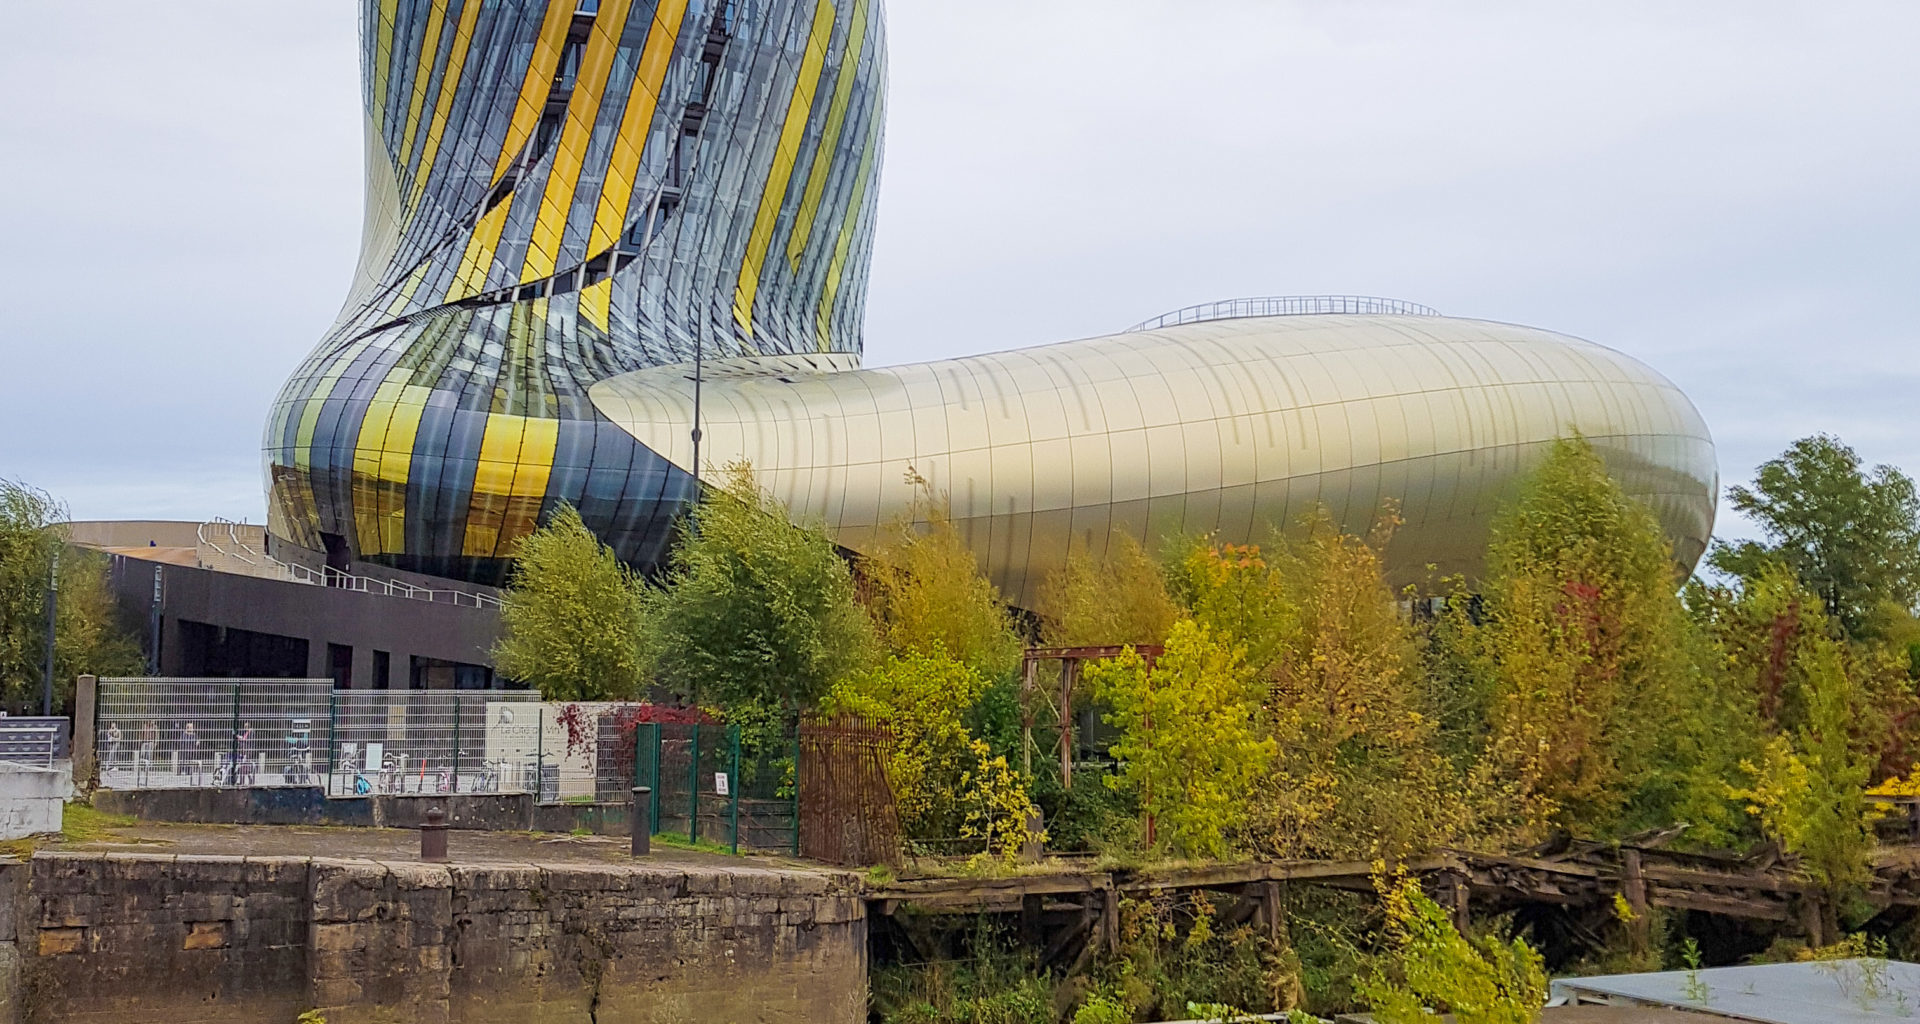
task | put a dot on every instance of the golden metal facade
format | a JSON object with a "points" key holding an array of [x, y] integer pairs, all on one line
{"points": [[1230, 426]]}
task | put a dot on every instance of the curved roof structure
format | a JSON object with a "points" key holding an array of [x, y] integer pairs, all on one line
{"points": [[1228, 426]]}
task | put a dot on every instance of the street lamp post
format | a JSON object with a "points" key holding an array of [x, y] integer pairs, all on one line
{"points": [[53, 614]]}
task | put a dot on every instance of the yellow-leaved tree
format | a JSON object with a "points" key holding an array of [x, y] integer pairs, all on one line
{"points": [[1359, 773], [1119, 597], [947, 785], [1432, 967], [926, 592], [1190, 746]]}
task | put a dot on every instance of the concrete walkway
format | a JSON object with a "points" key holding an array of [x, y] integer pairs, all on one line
{"points": [[399, 845]]}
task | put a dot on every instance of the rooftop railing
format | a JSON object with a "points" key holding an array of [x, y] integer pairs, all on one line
{"points": [[1286, 305]]}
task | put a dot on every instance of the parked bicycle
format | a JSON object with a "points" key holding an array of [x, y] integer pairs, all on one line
{"points": [[230, 772]]}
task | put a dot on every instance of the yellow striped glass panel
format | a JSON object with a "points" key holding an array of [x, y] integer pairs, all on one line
{"points": [[830, 138], [539, 81], [472, 276], [623, 167], [844, 246], [595, 302], [382, 65], [799, 108], [583, 110], [399, 303], [443, 106], [422, 73], [516, 460], [369, 449]]}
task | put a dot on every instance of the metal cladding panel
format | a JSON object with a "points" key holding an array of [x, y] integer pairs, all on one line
{"points": [[1439, 416], [559, 192]]}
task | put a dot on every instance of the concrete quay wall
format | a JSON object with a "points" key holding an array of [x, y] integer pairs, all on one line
{"points": [[96, 938]]}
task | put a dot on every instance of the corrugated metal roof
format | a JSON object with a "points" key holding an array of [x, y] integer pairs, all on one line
{"points": [[1830, 992]]}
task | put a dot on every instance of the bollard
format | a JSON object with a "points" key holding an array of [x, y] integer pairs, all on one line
{"points": [[642, 821], [433, 837]]}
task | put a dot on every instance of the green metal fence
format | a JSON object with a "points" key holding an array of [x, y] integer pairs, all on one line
{"points": [[704, 790]]}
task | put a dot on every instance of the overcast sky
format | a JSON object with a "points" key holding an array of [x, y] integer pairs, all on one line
{"points": [[1729, 191]]}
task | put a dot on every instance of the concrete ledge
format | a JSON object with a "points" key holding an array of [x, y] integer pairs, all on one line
{"points": [[87, 938]]}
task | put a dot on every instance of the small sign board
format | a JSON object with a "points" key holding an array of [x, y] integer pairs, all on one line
{"points": [[720, 783]]}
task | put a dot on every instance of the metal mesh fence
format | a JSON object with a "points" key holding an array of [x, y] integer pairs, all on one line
{"points": [[172, 733], [432, 741], [180, 733]]}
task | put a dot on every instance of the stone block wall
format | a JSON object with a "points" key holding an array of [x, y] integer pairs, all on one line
{"points": [[92, 938]]}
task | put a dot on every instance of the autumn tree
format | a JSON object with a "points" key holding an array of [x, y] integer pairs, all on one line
{"points": [[924, 698], [927, 593], [754, 613], [1809, 787], [1590, 690], [1190, 746], [87, 638], [1851, 535], [570, 617], [1358, 773], [1118, 597]]}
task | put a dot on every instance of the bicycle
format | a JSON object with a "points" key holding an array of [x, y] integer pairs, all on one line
{"points": [[228, 772]]}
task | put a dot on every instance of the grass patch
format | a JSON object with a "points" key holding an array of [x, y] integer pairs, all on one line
{"points": [[81, 823], [678, 841]]}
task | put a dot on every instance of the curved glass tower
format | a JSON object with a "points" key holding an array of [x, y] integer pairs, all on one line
{"points": [[558, 192]]}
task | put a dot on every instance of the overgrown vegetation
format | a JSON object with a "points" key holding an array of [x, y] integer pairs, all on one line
{"points": [[1284, 700], [87, 638]]}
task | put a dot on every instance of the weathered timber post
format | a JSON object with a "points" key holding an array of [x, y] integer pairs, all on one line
{"points": [[86, 692], [1107, 934], [1031, 929], [433, 837], [1026, 715], [1069, 668], [1633, 888], [642, 821], [1813, 918], [1460, 896], [1272, 913]]}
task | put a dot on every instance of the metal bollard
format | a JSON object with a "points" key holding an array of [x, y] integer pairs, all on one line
{"points": [[642, 821], [433, 837]]}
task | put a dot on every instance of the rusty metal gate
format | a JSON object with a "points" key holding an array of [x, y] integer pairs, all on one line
{"points": [[847, 812]]}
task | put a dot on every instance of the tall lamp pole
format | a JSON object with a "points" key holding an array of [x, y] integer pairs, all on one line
{"points": [[53, 613], [699, 362]]}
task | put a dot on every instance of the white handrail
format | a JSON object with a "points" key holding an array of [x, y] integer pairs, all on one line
{"points": [[273, 568]]}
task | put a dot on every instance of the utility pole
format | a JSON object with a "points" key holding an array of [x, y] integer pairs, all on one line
{"points": [[53, 616]]}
